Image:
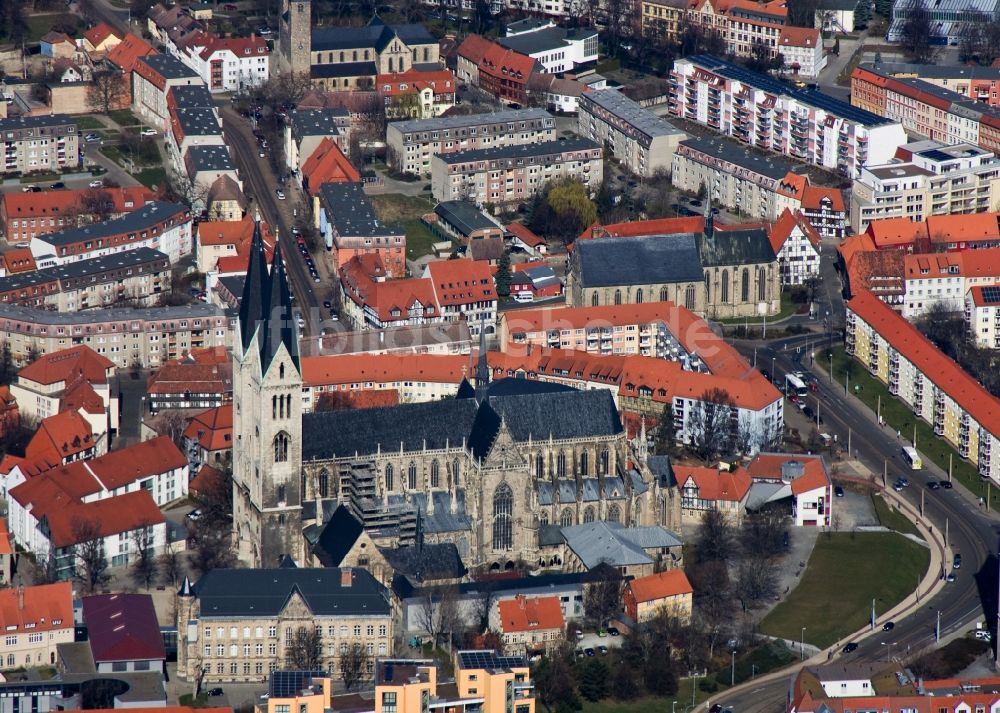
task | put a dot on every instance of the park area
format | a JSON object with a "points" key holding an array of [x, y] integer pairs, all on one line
{"points": [[404, 212], [846, 571]]}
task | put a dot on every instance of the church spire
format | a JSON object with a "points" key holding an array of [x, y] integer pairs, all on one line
{"points": [[280, 322], [255, 289], [482, 368]]}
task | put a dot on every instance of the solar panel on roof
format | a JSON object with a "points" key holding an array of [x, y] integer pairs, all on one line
{"points": [[991, 294], [289, 683]]}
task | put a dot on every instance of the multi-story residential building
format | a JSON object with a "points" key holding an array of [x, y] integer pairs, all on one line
{"points": [[201, 379], [770, 114], [158, 225], [670, 593], [533, 625], [416, 94], [929, 178], [937, 389], [513, 174], [637, 137], [971, 80], [152, 78], [25, 215], [946, 278], [370, 301], [190, 128], [504, 73], [348, 225], [801, 49], [39, 143], [464, 291], [306, 129], [227, 64], [47, 385], [412, 144], [138, 277], [240, 624], [982, 314], [557, 49], [125, 335], [37, 619]]}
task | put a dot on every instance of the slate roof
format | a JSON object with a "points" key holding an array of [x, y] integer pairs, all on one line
{"points": [[137, 221], [639, 260], [210, 158], [464, 217], [736, 247], [318, 122], [442, 519], [426, 562], [338, 536], [543, 40], [187, 96], [375, 34], [343, 69], [123, 627], [615, 544], [168, 66], [350, 211], [198, 121], [265, 592]]}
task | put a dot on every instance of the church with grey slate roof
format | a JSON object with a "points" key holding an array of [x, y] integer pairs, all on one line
{"points": [[486, 470]]}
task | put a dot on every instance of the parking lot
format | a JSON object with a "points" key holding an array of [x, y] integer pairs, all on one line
{"points": [[594, 642]]}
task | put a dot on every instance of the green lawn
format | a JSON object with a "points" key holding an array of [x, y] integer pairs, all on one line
{"points": [[124, 117], [845, 572], [899, 416], [788, 308], [149, 177], [39, 25], [405, 211], [892, 518], [88, 123]]}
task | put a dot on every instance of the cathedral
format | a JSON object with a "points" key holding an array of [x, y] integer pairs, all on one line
{"points": [[490, 470]]}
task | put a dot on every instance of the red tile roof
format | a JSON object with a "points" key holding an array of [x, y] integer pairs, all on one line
{"points": [[715, 484], [100, 32], [767, 466], [525, 234], [440, 81], [461, 282], [670, 583], [523, 614], [328, 164], [944, 373], [180, 378], [208, 480], [67, 365], [813, 197], [126, 53], [391, 299], [19, 260], [61, 436], [240, 46], [45, 607], [54, 203], [212, 429], [123, 627], [474, 48], [338, 369], [116, 469], [799, 37], [5, 547], [782, 230]]}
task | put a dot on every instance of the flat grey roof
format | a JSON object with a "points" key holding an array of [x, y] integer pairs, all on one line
{"points": [[189, 95], [31, 315], [464, 216], [141, 219], [770, 165], [82, 268], [210, 158], [542, 148], [168, 66], [550, 38], [32, 122], [458, 122], [350, 211], [614, 102], [318, 122], [898, 170], [198, 121]]}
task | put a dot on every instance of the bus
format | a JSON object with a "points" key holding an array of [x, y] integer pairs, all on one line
{"points": [[912, 458], [795, 386]]}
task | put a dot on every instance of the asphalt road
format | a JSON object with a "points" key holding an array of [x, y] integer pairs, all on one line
{"points": [[260, 183], [972, 532]]}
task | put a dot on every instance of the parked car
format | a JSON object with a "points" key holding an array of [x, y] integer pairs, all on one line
{"points": [[147, 132], [934, 485], [946, 484], [57, 184], [850, 647], [327, 304], [194, 515], [950, 577], [983, 634], [956, 563], [280, 193], [602, 649], [91, 137], [215, 691], [889, 626], [613, 631], [97, 184], [589, 651], [838, 491]]}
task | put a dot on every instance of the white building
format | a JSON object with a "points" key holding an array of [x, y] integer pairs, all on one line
{"points": [[946, 278], [557, 49], [928, 178], [802, 50], [797, 245], [756, 110], [228, 64]]}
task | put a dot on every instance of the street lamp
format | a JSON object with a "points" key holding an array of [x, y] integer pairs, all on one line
{"points": [[802, 644], [732, 670]]}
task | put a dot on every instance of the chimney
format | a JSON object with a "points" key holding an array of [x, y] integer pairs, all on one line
{"points": [[346, 576]]}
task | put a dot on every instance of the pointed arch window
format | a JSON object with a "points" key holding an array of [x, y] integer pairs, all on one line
{"points": [[605, 461], [543, 519], [456, 470], [539, 466], [324, 483], [411, 476], [435, 474], [614, 514], [389, 477], [566, 519], [663, 294], [588, 514], [584, 463], [761, 285], [561, 464], [594, 300], [618, 297], [638, 296], [281, 448], [503, 511], [725, 286], [745, 286]]}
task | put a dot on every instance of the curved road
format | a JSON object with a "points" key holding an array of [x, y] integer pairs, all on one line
{"points": [[971, 532]]}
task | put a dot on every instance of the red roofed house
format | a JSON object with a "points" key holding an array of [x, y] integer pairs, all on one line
{"points": [[152, 78], [27, 215], [704, 489], [535, 624], [802, 50], [370, 301], [417, 94], [499, 71], [78, 378], [100, 38], [36, 620], [825, 210], [64, 438], [228, 64], [327, 164], [524, 238], [670, 591], [16, 261], [123, 632], [202, 379], [124, 55], [208, 438], [464, 290], [802, 477], [797, 246]]}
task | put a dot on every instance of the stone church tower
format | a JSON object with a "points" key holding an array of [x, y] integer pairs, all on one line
{"points": [[295, 36], [267, 417]]}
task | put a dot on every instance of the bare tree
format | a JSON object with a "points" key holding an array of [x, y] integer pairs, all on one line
{"points": [[756, 580], [170, 565], [354, 665], [305, 651], [89, 550], [715, 537], [916, 32], [173, 424], [143, 562], [107, 91], [763, 531], [711, 429], [602, 597], [438, 613]]}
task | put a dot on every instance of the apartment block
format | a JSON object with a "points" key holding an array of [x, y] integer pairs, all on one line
{"points": [[513, 174], [124, 335], [637, 137], [25, 215], [36, 619], [768, 113], [933, 386], [982, 314], [39, 143], [412, 144], [348, 225], [972, 81], [929, 178], [946, 277]]}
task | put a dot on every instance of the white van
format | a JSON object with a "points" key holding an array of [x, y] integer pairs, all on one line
{"points": [[912, 458]]}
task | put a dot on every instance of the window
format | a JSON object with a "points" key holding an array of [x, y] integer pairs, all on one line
{"points": [[539, 466], [411, 476], [388, 477], [614, 514], [456, 471], [588, 514], [689, 298], [503, 508], [725, 287], [594, 300], [435, 474], [281, 448], [584, 463], [638, 296], [663, 294], [745, 286], [324, 483], [566, 519], [761, 285], [561, 464], [605, 462], [389, 702], [618, 297]]}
